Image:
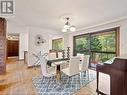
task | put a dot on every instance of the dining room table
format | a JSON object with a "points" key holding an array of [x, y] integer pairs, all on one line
{"points": [[58, 62]]}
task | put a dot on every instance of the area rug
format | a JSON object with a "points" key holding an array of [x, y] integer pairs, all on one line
{"points": [[49, 86]]}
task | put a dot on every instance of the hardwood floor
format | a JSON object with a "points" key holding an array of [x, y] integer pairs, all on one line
{"points": [[18, 80]]}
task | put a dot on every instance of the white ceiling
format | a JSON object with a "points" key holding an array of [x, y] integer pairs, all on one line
{"points": [[47, 13]]}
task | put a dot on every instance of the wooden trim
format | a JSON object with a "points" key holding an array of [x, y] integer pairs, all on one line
{"points": [[104, 31], [104, 52], [118, 41], [57, 39], [6, 50], [74, 43], [96, 51], [97, 32], [33, 66], [81, 35], [3, 24]]}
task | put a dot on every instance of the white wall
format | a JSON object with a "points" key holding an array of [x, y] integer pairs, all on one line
{"points": [[123, 34], [23, 44], [123, 38], [23, 36], [48, 35]]}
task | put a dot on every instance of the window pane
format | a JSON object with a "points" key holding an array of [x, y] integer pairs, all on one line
{"points": [[57, 44], [95, 43], [82, 43], [103, 42]]}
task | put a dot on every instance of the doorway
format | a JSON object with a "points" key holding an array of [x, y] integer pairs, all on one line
{"points": [[13, 45]]}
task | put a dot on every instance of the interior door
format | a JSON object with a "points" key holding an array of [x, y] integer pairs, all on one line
{"points": [[12, 48]]}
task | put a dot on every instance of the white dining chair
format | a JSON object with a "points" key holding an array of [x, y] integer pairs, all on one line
{"points": [[73, 68], [80, 55], [45, 73], [52, 55], [60, 55], [83, 67]]}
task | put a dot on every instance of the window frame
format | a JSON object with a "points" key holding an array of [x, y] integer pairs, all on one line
{"points": [[117, 38]]}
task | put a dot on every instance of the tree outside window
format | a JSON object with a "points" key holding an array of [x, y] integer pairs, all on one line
{"points": [[57, 44]]}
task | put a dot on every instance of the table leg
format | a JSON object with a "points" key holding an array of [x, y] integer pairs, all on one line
{"points": [[58, 73]]}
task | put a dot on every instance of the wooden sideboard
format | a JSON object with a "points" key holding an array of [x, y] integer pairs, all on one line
{"points": [[2, 46], [118, 76]]}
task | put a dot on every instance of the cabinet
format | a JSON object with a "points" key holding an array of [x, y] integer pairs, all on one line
{"points": [[2, 46]]}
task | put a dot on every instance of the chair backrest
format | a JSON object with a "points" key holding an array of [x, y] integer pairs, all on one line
{"points": [[80, 55], [52, 55], [74, 65], [60, 55], [85, 63]]}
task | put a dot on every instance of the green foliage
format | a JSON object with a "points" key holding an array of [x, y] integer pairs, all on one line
{"points": [[95, 44], [57, 44], [108, 42], [82, 43]]}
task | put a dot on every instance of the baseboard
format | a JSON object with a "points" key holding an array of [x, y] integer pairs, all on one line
{"points": [[32, 66]]}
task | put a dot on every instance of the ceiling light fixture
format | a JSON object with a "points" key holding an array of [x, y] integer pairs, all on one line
{"points": [[68, 27]]}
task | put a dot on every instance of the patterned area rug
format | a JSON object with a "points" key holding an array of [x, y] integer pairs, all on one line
{"points": [[49, 86]]}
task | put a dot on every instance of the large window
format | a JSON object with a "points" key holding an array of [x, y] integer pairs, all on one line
{"points": [[57, 44], [102, 45]]}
